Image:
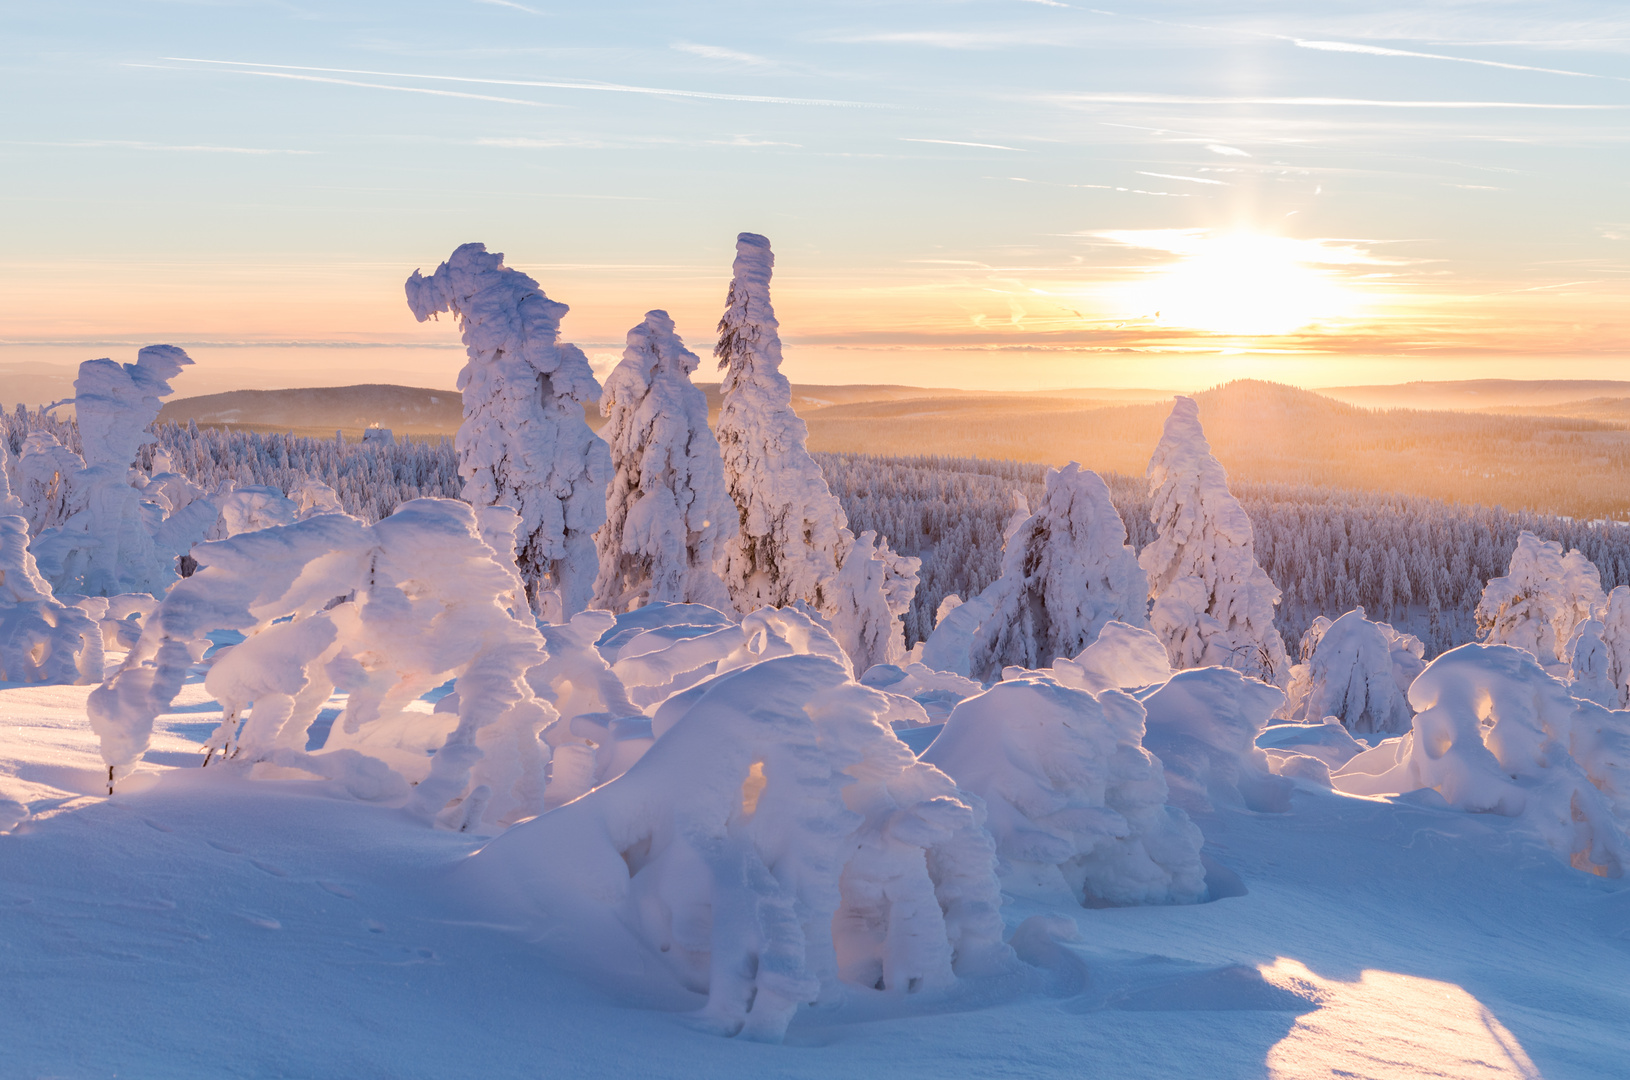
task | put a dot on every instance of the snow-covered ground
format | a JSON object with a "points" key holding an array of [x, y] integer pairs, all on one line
{"points": [[203, 924]]}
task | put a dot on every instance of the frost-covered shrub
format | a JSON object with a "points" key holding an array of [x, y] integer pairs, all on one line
{"points": [[872, 590], [1213, 603], [119, 617], [1202, 724], [47, 482], [383, 613], [524, 442], [1066, 571], [1122, 657], [775, 841], [1540, 600], [950, 647], [1616, 638], [41, 639], [250, 509], [1494, 733], [1076, 805], [1358, 672], [1589, 662], [668, 514], [793, 531]]}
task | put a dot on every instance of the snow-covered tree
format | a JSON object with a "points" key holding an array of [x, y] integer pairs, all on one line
{"points": [[866, 600], [793, 531], [1213, 603], [1359, 672], [1616, 638], [1589, 662], [381, 613], [1066, 571], [1540, 600], [775, 843], [668, 515], [1076, 805], [524, 442]]}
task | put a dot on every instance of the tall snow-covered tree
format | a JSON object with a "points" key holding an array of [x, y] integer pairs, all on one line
{"points": [[524, 442], [668, 515], [1066, 571], [793, 530], [1213, 603]]}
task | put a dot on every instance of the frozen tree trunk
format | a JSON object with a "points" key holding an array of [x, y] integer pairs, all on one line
{"points": [[793, 530], [1067, 570], [1213, 603], [524, 442], [668, 515]]}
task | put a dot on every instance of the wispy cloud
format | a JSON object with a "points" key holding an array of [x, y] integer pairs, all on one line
{"points": [[1189, 242], [1375, 103], [126, 144], [1172, 176], [980, 145], [1378, 50], [715, 52], [544, 84], [511, 4], [1226, 151], [398, 89]]}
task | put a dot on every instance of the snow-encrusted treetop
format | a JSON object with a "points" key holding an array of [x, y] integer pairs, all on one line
{"points": [[114, 403], [793, 530], [1352, 675], [667, 512], [524, 441], [1067, 570], [1214, 604], [1542, 598]]}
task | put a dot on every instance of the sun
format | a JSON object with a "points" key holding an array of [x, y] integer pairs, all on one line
{"points": [[1245, 284]]}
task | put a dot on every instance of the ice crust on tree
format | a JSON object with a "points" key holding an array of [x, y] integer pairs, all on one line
{"points": [[104, 543], [524, 442], [1076, 804], [793, 531], [1066, 571], [668, 515], [1213, 603], [1541, 599], [1495, 733], [42, 640], [383, 613], [775, 842], [1202, 724], [1357, 671]]}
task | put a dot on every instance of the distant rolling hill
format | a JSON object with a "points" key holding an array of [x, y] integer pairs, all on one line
{"points": [[1479, 394], [406, 410]]}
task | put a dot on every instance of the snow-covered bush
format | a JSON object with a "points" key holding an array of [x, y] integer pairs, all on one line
{"points": [[938, 692], [950, 647], [1615, 620], [668, 514], [41, 639], [1076, 805], [524, 442], [867, 599], [1541, 599], [1202, 724], [105, 546], [1122, 657], [1589, 662], [47, 482], [250, 509], [775, 841], [382, 613], [793, 531], [1213, 603], [1494, 733], [1358, 672], [1066, 571]]}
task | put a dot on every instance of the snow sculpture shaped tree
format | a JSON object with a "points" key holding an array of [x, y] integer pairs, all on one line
{"points": [[1213, 604], [668, 515], [41, 639], [1494, 733], [1352, 676], [869, 598], [49, 482], [106, 545], [1077, 806], [1590, 660], [1066, 571], [524, 442], [776, 839], [793, 530], [1543, 596], [1616, 638], [382, 613]]}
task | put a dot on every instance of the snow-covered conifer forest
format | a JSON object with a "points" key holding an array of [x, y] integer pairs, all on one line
{"points": [[671, 732]]}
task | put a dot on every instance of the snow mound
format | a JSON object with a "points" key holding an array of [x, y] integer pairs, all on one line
{"points": [[42, 640], [668, 515], [1076, 804], [1213, 603], [1066, 571], [1202, 724], [938, 692], [777, 840], [1540, 601], [381, 613], [950, 647], [1123, 657], [524, 442], [1494, 733]]}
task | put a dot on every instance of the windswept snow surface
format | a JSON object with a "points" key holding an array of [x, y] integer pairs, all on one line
{"points": [[196, 925]]}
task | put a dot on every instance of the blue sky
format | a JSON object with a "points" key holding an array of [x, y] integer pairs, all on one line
{"points": [[976, 194]]}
